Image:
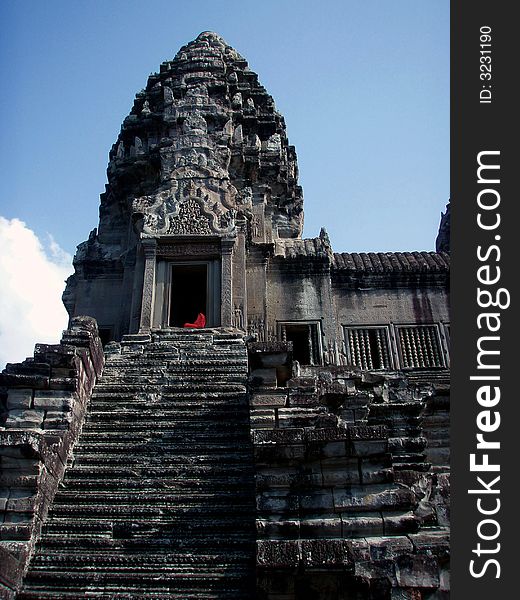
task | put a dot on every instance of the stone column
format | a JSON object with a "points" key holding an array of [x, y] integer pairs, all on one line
{"points": [[226, 306], [239, 278], [150, 260]]}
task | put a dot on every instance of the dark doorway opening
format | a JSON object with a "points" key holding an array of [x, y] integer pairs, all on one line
{"points": [[188, 293]]}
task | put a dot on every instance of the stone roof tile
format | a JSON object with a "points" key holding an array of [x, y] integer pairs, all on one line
{"points": [[392, 262]]}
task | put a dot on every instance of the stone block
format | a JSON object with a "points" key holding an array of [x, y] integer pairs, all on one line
{"points": [[11, 478], [358, 550], [12, 380], [341, 473], [263, 419], [276, 502], [15, 531], [383, 548], [368, 432], [277, 554], [361, 525], [320, 527], [376, 470], [278, 528], [334, 449], [432, 543], [362, 448], [263, 378], [19, 398], [373, 498], [400, 523], [278, 436], [272, 454], [56, 420], [381, 575], [324, 553], [317, 501], [268, 400], [53, 399], [276, 477], [417, 571], [21, 502], [295, 399], [325, 434], [24, 419]]}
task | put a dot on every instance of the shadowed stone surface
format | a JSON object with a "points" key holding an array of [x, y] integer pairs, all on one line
{"points": [[159, 499]]}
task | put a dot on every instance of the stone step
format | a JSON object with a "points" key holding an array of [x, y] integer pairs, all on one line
{"points": [[120, 395], [167, 375], [128, 511], [159, 498], [163, 525], [170, 405], [169, 428], [159, 460], [149, 498], [177, 419], [186, 435], [128, 593], [168, 539], [158, 357], [112, 559], [81, 472], [187, 447], [192, 387], [191, 578]]}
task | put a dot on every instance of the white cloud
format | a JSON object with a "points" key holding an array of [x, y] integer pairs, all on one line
{"points": [[32, 279]]}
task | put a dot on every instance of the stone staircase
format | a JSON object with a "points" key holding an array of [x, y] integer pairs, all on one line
{"points": [[159, 501]]}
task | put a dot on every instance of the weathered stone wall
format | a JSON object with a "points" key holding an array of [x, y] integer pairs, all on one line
{"points": [[344, 488], [392, 305], [44, 401]]}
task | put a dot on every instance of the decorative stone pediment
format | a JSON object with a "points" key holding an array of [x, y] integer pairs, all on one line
{"points": [[190, 220], [164, 214]]}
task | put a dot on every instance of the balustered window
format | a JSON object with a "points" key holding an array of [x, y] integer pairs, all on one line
{"points": [[369, 347], [419, 346], [305, 337]]}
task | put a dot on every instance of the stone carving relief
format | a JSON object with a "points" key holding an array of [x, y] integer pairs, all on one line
{"points": [[190, 220], [203, 250], [193, 214], [197, 93], [168, 95], [258, 328], [195, 123], [238, 317]]}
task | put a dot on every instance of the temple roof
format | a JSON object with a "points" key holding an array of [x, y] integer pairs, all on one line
{"points": [[203, 127], [392, 262]]}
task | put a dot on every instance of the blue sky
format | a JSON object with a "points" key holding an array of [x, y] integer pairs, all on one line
{"points": [[363, 86]]}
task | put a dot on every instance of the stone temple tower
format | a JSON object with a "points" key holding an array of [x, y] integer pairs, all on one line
{"points": [[296, 447], [201, 169]]}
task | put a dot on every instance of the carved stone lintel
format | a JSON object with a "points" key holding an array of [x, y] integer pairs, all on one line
{"points": [[200, 250]]}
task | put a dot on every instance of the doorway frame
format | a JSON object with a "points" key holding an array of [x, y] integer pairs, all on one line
{"points": [[164, 283]]}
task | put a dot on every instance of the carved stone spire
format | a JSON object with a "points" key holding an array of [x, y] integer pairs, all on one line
{"points": [[442, 243], [203, 132]]}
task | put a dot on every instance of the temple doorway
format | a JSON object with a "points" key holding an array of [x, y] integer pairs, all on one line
{"points": [[189, 293]]}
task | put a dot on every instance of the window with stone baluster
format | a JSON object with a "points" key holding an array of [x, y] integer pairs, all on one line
{"points": [[419, 346], [369, 348]]}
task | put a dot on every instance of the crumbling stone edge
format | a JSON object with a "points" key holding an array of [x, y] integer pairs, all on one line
{"points": [[43, 402]]}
